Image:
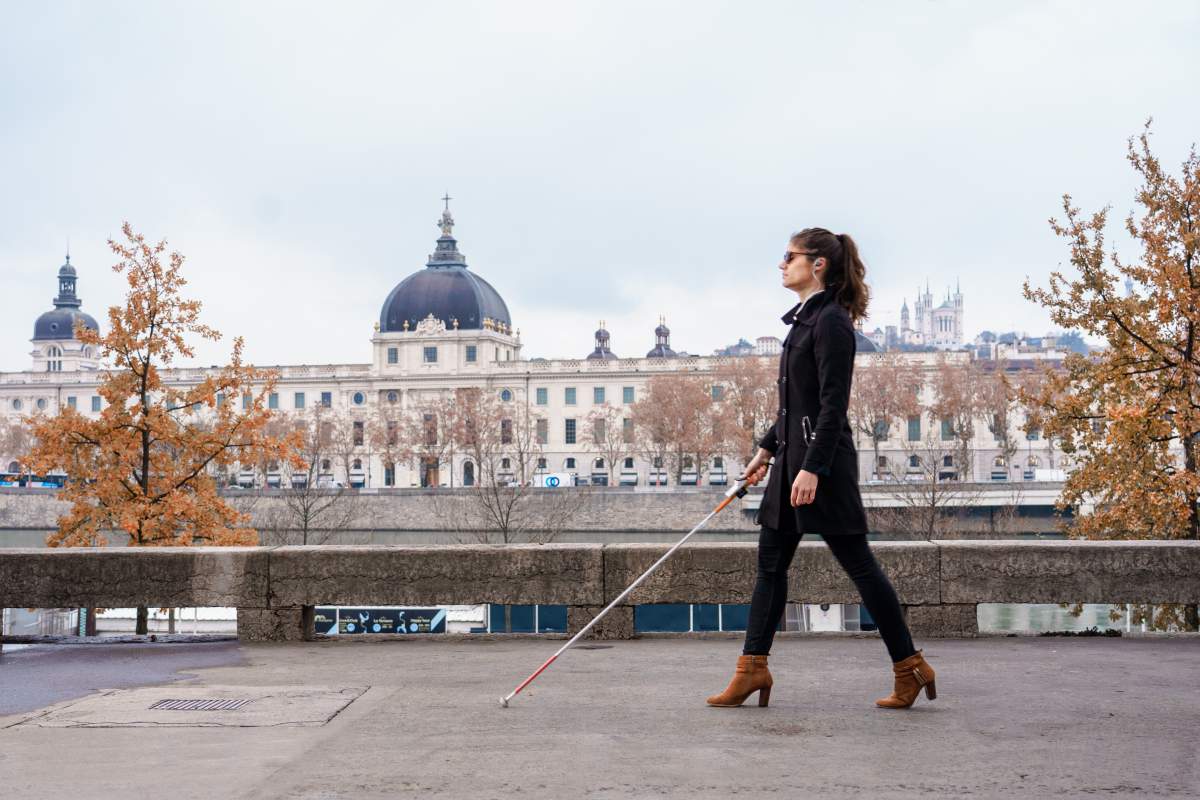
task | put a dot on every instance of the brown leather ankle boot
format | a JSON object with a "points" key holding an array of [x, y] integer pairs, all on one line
{"points": [[751, 676], [912, 674]]}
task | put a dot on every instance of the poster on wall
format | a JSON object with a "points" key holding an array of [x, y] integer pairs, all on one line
{"points": [[330, 621]]}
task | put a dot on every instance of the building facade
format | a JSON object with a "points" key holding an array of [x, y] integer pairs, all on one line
{"points": [[443, 328]]}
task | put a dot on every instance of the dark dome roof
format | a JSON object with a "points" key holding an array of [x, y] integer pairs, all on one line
{"points": [[864, 344], [446, 289], [60, 324], [448, 293]]}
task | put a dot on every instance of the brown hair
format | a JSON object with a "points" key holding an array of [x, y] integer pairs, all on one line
{"points": [[845, 275]]}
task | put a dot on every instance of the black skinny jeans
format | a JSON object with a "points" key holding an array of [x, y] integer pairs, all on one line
{"points": [[775, 552]]}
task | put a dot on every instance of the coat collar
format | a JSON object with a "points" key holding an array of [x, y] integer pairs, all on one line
{"points": [[804, 312]]}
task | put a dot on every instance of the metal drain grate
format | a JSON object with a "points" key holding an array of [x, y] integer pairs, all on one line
{"points": [[199, 705]]}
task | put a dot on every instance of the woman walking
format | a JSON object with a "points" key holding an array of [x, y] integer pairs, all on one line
{"points": [[813, 486]]}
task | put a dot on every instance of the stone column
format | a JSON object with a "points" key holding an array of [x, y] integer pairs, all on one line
{"points": [[948, 620], [617, 624], [286, 624]]}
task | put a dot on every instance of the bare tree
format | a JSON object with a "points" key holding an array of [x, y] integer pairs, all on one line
{"points": [[429, 434], [957, 403], [929, 504], [501, 442], [304, 511], [886, 392], [608, 437], [751, 399], [668, 419]]}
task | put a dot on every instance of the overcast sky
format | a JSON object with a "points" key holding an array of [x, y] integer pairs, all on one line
{"points": [[614, 160]]}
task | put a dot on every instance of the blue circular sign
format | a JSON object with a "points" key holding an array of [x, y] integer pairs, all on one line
{"points": [[552, 481]]}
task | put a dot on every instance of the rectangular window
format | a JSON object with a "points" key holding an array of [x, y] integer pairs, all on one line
{"points": [[273, 400], [626, 394], [430, 355], [1033, 434], [599, 431], [598, 395], [327, 399], [393, 355], [947, 430], [914, 429], [358, 433], [472, 354], [430, 422], [570, 431], [220, 399], [506, 435], [569, 395], [627, 430], [70, 402], [96, 402], [298, 400], [543, 397], [718, 391], [247, 401], [392, 436], [389, 474], [881, 430], [543, 431]]}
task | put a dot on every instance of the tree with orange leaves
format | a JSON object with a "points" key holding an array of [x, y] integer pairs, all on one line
{"points": [[148, 465], [1128, 416]]}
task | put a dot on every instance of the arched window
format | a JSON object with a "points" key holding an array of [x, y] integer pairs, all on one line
{"points": [[914, 461], [14, 466], [998, 461], [598, 463], [393, 397], [629, 463], [325, 464], [1034, 462], [357, 464], [468, 474]]}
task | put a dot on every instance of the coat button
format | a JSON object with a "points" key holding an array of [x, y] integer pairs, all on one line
{"points": [[783, 379], [783, 411]]}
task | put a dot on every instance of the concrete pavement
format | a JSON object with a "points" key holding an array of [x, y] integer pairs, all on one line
{"points": [[1015, 717]]}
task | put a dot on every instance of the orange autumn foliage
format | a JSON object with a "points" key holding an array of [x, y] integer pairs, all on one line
{"points": [[149, 464], [1128, 416]]}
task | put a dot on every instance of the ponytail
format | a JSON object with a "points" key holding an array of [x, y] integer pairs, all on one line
{"points": [[846, 274]]}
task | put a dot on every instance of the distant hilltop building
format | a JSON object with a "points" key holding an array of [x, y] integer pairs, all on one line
{"points": [[928, 327], [939, 327]]}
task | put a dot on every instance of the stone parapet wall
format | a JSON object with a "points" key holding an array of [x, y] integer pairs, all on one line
{"points": [[275, 589]]}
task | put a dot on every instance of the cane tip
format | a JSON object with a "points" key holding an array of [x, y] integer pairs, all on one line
{"points": [[503, 703]]}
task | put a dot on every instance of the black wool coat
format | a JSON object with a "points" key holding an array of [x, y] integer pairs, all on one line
{"points": [[811, 429]]}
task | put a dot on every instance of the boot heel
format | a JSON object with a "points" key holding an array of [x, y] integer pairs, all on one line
{"points": [[931, 690], [764, 697]]}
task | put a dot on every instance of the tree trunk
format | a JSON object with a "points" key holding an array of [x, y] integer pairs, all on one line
{"points": [[171, 621], [143, 620]]}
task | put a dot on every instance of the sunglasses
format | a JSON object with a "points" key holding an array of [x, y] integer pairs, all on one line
{"points": [[788, 255]]}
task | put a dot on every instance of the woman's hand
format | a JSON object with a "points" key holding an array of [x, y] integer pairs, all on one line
{"points": [[804, 488], [757, 466]]}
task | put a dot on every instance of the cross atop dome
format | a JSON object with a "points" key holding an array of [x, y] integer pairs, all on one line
{"points": [[446, 223]]}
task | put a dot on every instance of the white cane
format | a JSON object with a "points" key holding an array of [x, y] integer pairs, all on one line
{"points": [[739, 489]]}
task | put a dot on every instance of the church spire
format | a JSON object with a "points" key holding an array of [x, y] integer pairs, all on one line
{"points": [[446, 254]]}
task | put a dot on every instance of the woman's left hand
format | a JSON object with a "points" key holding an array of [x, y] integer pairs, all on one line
{"points": [[804, 488]]}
